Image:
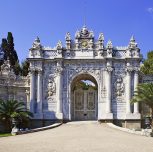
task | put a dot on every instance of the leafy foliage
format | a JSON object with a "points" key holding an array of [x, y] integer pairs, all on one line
{"points": [[144, 94], [17, 68], [7, 48], [147, 67], [84, 86], [10, 53], [13, 109], [25, 68]]}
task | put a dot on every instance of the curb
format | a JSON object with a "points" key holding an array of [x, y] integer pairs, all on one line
{"points": [[40, 129], [144, 132]]}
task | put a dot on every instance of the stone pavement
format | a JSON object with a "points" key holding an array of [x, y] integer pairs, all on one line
{"points": [[77, 137]]}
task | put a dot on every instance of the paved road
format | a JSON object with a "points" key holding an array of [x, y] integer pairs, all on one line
{"points": [[78, 137]]}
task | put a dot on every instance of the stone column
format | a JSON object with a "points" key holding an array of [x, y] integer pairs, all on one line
{"points": [[32, 90], [39, 92], [28, 99], [136, 81], [128, 90], [59, 91], [109, 114]]}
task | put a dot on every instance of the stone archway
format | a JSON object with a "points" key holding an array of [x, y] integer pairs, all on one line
{"points": [[84, 98]]}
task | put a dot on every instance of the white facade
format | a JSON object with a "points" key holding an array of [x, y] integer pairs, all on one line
{"points": [[49, 92], [53, 72]]}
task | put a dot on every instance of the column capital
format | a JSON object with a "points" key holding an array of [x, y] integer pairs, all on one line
{"points": [[137, 69], [129, 69], [32, 70], [109, 69], [58, 70], [27, 92], [39, 71]]}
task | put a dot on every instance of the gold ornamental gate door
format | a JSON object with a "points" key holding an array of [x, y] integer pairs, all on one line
{"points": [[85, 104]]}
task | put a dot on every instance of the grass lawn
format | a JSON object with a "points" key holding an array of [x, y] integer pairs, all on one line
{"points": [[5, 134]]}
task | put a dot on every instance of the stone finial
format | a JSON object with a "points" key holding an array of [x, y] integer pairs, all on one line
{"points": [[77, 34], [84, 30], [109, 44], [36, 44], [91, 34], [101, 37], [68, 36], [59, 45], [132, 43], [132, 39]]}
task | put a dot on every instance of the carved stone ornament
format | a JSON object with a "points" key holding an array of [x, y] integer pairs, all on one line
{"points": [[136, 53], [132, 44], [84, 31], [103, 92], [129, 69], [128, 53], [51, 86], [36, 44], [6, 68], [68, 36], [109, 69], [119, 87], [59, 45], [136, 69], [77, 34], [109, 45], [58, 70], [101, 37]]}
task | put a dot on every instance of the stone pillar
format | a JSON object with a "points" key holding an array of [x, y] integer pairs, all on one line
{"points": [[32, 90], [136, 81], [59, 91], [109, 114], [39, 92], [128, 90], [28, 99]]}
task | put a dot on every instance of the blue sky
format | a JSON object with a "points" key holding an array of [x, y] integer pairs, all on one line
{"points": [[51, 19]]}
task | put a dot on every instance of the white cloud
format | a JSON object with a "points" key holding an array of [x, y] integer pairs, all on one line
{"points": [[150, 10]]}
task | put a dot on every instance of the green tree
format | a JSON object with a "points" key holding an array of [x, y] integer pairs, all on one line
{"points": [[147, 67], [7, 47], [144, 94], [10, 109], [17, 68], [25, 68], [11, 51], [4, 47]]}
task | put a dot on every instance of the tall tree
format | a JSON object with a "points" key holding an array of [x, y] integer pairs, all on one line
{"points": [[11, 51], [7, 47], [25, 68], [4, 47], [17, 68], [1, 57], [147, 67]]}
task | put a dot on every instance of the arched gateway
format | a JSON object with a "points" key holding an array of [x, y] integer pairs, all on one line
{"points": [[84, 100], [54, 73]]}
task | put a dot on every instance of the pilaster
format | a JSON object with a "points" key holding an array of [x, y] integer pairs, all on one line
{"points": [[32, 90], [129, 70], [39, 92], [59, 91], [136, 81], [109, 70]]}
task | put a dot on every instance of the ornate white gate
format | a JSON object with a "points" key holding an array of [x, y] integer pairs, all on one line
{"points": [[85, 106]]}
